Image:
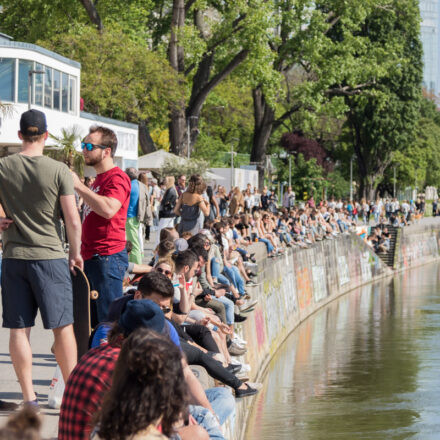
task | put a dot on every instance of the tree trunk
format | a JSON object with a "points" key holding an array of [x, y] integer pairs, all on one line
{"points": [[177, 124], [92, 12], [145, 140], [263, 124]]}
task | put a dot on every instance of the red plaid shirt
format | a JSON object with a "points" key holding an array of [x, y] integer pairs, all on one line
{"points": [[88, 382]]}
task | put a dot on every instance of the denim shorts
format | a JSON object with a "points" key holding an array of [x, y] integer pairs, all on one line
{"points": [[29, 285]]}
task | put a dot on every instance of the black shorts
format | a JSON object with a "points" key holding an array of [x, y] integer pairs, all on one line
{"points": [[29, 285]]}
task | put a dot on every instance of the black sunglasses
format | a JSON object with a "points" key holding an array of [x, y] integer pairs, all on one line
{"points": [[165, 310], [165, 272], [89, 146]]}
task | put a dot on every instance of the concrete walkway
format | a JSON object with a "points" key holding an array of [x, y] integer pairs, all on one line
{"points": [[44, 365]]}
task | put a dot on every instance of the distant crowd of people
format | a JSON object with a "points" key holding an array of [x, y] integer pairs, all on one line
{"points": [[152, 319]]}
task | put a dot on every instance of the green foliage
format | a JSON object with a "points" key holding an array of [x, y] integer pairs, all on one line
{"points": [[121, 78], [32, 20], [417, 164], [383, 121], [178, 166], [64, 149]]}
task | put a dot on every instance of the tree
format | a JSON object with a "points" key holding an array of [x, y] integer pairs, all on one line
{"points": [[65, 151], [208, 41], [383, 121], [315, 67], [122, 78]]}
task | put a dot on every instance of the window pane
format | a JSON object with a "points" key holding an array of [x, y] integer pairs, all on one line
{"points": [[56, 89], [72, 94], [7, 77], [38, 85], [48, 87], [65, 92], [23, 73]]}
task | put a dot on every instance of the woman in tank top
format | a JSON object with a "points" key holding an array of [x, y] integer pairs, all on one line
{"points": [[190, 204]]}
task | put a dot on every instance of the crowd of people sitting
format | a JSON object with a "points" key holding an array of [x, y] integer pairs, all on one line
{"points": [[151, 321]]}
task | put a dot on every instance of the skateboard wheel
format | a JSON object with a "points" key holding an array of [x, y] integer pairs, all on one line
{"points": [[94, 294]]}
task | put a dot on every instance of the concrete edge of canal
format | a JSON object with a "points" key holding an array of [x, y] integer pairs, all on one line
{"points": [[295, 286]]}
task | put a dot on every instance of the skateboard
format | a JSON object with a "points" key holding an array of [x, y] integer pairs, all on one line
{"points": [[81, 309]]}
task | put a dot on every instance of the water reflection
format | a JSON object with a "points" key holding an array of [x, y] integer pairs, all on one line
{"points": [[365, 367]]}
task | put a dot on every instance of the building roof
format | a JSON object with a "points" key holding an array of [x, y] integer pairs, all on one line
{"points": [[4, 42], [98, 118]]}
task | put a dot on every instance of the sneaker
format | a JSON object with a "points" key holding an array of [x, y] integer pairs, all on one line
{"points": [[233, 368], [33, 404], [248, 391], [235, 350], [245, 368], [249, 304], [239, 340], [239, 318], [244, 377], [11, 406], [251, 283]]}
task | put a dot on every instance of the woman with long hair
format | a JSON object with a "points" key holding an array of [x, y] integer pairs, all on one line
{"points": [[190, 204], [214, 211], [148, 393], [167, 205]]}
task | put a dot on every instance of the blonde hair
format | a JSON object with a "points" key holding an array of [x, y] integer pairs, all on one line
{"points": [[169, 182], [166, 260]]}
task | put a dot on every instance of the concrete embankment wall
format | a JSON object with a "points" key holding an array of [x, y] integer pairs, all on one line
{"points": [[296, 285]]}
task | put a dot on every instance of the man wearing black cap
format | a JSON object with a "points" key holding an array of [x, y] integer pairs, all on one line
{"points": [[35, 272]]}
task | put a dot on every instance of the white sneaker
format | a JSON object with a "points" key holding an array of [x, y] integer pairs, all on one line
{"points": [[245, 368], [239, 340]]}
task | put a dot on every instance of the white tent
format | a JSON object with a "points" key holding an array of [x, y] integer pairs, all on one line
{"points": [[156, 160], [210, 176]]}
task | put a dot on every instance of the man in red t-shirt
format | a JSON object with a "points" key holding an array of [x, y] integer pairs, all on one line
{"points": [[105, 215]]}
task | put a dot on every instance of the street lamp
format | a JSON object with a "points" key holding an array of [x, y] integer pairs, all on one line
{"points": [[188, 131], [232, 163], [394, 183], [30, 75], [351, 177]]}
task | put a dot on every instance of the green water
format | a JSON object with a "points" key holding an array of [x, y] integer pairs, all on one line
{"points": [[365, 367]]}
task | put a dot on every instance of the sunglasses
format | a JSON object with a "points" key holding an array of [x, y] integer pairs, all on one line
{"points": [[89, 147], [165, 272], [165, 310]]}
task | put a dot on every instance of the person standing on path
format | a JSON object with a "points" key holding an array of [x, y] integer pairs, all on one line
{"points": [[167, 205], [105, 216], [35, 271], [132, 226]]}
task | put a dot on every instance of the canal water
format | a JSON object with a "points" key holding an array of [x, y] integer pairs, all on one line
{"points": [[366, 367]]}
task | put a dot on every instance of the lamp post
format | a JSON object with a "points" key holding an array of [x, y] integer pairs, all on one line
{"points": [[351, 177], [394, 183], [290, 170], [30, 76], [232, 163], [188, 133]]}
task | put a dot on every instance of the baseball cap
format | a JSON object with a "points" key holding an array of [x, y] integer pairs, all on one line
{"points": [[31, 120], [181, 245], [142, 313]]}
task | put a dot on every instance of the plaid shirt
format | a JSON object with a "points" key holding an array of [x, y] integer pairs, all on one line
{"points": [[88, 382]]}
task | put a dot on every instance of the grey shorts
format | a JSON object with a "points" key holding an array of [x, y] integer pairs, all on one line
{"points": [[29, 285]]}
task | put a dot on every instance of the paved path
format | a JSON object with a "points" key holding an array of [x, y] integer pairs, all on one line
{"points": [[43, 368]]}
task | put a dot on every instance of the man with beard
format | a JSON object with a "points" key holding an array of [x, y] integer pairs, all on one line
{"points": [[105, 216]]}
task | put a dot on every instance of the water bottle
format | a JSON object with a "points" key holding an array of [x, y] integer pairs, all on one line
{"points": [[56, 390]]}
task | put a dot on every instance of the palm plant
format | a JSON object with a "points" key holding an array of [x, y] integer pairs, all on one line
{"points": [[64, 149]]}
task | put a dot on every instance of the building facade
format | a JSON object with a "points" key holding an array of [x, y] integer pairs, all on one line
{"points": [[430, 36], [31, 76]]}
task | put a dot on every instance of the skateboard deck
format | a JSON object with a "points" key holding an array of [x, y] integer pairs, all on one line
{"points": [[81, 309]]}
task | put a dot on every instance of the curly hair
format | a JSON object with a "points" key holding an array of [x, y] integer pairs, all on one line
{"points": [[196, 184], [148, 387]]}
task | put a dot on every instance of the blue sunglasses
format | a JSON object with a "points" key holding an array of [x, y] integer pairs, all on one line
{"points": [[89, 147]]}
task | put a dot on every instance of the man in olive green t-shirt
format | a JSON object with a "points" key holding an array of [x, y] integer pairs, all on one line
{"points": [[35, 271]]}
